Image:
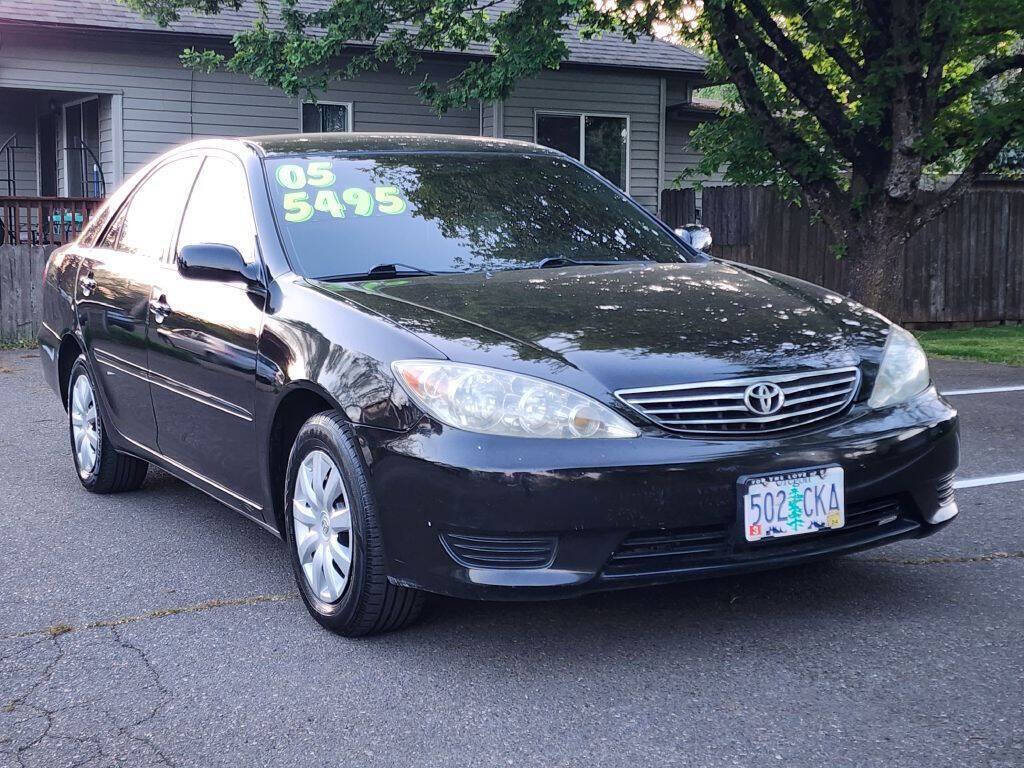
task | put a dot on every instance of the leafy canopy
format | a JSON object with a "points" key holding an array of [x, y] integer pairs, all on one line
{"points": [[863, 94]]}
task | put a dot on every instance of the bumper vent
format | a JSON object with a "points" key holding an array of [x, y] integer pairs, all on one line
{"points": [[944, 490], [653, 552], [499, 551], [739, 406]]}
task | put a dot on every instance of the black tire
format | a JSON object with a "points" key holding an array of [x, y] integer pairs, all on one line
{"points": [[112, 471], [369, 604]]}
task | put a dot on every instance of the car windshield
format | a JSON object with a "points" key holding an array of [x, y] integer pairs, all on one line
{"points": [[452, 212]]}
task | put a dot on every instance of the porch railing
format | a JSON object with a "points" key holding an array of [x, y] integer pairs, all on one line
{"points": [[44, 220]]}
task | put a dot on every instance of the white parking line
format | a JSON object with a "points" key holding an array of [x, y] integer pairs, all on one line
{"points": [[983, 390], [973, 482]]}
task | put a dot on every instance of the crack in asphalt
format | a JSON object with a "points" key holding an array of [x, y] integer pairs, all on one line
{"points": [[31, 723], [34, 719], [165, 698], [85, 748], [56, 630]]}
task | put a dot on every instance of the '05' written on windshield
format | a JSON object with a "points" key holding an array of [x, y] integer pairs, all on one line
{"points": [[311, 191]]}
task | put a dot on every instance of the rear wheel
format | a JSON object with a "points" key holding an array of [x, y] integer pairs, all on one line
{"points": [[333, 536], [101, 468]]}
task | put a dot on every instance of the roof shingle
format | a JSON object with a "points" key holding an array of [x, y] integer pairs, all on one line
{"points": [[610, 50]]}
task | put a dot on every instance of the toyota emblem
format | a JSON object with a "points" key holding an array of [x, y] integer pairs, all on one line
{"points": [[764, 398]]}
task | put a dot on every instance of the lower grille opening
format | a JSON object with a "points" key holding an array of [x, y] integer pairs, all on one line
{"points": [[500, 551], [652, 552], [667, 550], [879, 512]]}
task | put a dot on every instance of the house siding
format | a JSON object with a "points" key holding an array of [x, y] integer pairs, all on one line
{"points": [[487, 118], [604, 91], [106, 148], [165, 104], [681, 156]]}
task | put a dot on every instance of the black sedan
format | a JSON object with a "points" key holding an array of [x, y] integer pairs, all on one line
{"points": [[474, 367]]}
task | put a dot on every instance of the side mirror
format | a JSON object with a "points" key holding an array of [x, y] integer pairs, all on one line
{"points": [[215, 261], [695, 236]]}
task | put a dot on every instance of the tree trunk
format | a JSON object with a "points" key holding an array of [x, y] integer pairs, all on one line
{"points": [[874, 266]]}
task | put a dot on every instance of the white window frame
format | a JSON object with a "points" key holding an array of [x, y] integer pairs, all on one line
{"points": [[582, 116], [347, 104], [65, 182]]}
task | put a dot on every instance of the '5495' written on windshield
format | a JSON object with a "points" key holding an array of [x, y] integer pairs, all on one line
{"points": [[301, 203]]}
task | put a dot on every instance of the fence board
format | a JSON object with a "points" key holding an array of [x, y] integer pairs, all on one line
{"points": [[21, 290], [966, 266], [678, 207]]}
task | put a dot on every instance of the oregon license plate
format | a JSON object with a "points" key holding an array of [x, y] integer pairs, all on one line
{"points": [[791, 503]]}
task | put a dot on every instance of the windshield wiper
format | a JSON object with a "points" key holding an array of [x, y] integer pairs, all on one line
{"points": [[565, 261], [391, 269]]}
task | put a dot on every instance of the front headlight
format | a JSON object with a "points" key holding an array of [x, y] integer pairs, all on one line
{"points": [[903, 372], [497, 402]]}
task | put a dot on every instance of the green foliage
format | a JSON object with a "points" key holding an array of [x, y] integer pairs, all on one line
{"points": [[941, 69], [1010, 162]]}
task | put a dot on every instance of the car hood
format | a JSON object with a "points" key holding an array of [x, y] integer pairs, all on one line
{"points": [[630, 325]]}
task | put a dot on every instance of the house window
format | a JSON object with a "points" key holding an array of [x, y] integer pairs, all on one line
{"points": [[81, 148], [325, 116], [599, 141]]}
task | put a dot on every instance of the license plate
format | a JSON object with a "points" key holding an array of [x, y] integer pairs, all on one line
{"points": [[791, 503]]}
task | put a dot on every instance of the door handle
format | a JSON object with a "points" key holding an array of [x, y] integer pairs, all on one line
{"points": [[160, 308], [87, 284]]}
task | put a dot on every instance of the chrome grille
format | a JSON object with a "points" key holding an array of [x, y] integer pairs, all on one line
{"points": [[722, 407]]}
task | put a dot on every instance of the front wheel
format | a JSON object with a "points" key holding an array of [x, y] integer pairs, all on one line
{"points": [[101, 468], [333, 537]]}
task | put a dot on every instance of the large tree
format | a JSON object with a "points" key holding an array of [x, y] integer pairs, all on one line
{"points": [[850, 104]]}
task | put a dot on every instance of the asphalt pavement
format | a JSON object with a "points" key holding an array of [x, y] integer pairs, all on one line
{"points": [[160, 628]]}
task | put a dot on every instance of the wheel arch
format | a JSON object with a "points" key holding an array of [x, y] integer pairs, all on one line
{"points": [[300, 401], [69, 350]]}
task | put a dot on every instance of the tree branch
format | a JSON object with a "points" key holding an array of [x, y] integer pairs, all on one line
{"points": [[788, 148], [833, 47], [787, 61], [924, 212], [944, 25], [979, 77]]}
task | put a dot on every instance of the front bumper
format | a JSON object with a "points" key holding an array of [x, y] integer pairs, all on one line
{"points": [[587, 515]]}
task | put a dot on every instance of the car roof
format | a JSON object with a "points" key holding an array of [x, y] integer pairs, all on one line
{"points": [[335, 143]]}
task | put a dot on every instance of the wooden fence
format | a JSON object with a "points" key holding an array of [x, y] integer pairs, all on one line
{"points": [[21, 290], [966, 266], [678, 207]]}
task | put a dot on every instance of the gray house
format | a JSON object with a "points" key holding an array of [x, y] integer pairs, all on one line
{"points": [[89, 92]]}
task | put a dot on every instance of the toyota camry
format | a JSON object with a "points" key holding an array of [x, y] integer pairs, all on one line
{"points": [[474, 367]]}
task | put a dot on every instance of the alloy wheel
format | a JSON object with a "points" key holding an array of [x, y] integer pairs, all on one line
{"points": [[323, 526], [84, 426]]}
